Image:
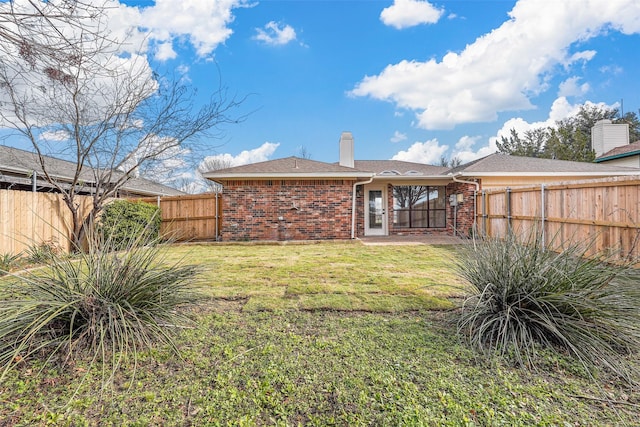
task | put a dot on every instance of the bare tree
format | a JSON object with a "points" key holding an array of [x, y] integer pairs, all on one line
{"points": [[304, 153], [62, 73], [455, 161], [209, 164], [214, 163]]}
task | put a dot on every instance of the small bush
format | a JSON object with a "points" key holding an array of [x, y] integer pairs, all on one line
{"points": [[123, 220], [103, 303], [524, 296]]}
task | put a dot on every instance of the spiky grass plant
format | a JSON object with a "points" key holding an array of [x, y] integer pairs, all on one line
{"points": [[7, 261], [102, 304], [524, 296]]}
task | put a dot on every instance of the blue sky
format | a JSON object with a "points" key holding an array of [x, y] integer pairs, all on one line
{"points": [[412, 80]]}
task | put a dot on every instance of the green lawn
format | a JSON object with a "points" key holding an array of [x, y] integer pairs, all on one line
{"points": [[324, 334]]}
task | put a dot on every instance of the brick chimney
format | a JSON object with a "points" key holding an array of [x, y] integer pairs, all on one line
{"points": [[346, 150]]}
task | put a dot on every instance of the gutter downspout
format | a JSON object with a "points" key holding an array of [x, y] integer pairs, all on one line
{"points": [[475, 200], [353, 206]]}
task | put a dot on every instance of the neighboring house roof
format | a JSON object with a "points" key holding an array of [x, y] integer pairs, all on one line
{"points": [[17, 167], [289, 167], [503, 164], [620, 152]]}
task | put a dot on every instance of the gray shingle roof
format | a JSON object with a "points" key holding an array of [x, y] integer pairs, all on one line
{"points": [[503, 163], [294, 167], [17, 165], [291, 167], [402, 168]]}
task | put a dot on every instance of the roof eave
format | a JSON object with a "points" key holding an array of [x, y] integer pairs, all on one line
{"points": [[617, 156], [412, 178], [275, 175], [550, 174]]}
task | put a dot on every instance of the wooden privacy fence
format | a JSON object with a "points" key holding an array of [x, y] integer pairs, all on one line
{"points": [[602, 212], [31, 218], [190, 217]]}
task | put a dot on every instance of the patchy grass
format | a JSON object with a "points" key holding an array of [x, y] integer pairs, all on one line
{"points": [[336, 276], [331, 334], [317, 368]]}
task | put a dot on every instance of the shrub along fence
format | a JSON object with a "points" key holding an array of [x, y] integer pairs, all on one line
{"points": [[31, 218], [602, 212], [189, 217]]}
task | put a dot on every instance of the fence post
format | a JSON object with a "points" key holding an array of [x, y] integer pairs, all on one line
{"points": [[508, 201], [217, 231], [542, 217], [484, 212]]}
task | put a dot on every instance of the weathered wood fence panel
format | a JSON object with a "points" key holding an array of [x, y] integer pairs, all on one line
{"points": [[604, 212], [31, 218], [190, 217]]}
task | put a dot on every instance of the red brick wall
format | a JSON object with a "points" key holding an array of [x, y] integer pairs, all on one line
{"points": [[266, 210], [464, 211], [286, 210]]}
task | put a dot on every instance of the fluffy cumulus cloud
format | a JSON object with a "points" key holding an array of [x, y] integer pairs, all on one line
{"points": [[409, 13], [275, 34], [204, 23], [467, 149], [573, 87], [255, 155], [501, 70], [428, 152], [155, 29]]}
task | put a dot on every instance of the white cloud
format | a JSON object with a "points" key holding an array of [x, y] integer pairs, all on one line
{"points": [[503, 69], [611, 70], [466, 142], [408, 13], [560, 109], [275, 34], [246, 157], [428, 152], [204, 23], [464, 149], [58, 136], [164, 51], [398, 137], [571, 87]]}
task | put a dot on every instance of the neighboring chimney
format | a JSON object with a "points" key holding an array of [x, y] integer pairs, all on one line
{"points": [[346, 150], [606, 136]]}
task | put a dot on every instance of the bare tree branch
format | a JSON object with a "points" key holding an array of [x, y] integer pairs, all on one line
{"points": [[62, 73]]}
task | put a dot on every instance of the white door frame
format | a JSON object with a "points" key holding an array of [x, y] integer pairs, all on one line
{"points": [[380, 227]]}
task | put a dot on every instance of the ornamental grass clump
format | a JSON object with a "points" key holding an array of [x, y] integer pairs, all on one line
{"points": [[102, 304], [524, 296]]}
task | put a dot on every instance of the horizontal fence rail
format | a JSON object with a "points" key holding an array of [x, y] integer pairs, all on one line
{"points": [[189, 217], [30, 219], [603, 213]]}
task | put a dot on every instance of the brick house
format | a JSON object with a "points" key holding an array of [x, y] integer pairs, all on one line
{"points": [[301, 199]]}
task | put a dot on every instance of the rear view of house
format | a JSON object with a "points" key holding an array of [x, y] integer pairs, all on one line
{"points": [[301, 199]]}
